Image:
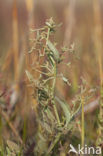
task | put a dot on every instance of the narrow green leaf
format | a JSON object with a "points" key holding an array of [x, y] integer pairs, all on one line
{"points": [[46, 127], [65, 108], [50, 115]]}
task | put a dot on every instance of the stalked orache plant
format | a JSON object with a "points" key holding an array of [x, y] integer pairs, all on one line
{"points": [[54, 116]]}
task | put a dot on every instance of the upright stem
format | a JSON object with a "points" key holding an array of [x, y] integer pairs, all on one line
{"points": [[98, 50], [54, 143], [53, 90], [82, 135], [54, 81], [48, 34]]}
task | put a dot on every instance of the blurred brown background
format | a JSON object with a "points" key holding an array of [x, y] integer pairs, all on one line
{"points": [[82, 25], [79, 20]]}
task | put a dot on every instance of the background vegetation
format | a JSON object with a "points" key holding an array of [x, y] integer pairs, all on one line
{"points": [[81, 31]]}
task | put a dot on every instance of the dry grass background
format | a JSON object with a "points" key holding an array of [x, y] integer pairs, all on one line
{"points": [[82, 25]]}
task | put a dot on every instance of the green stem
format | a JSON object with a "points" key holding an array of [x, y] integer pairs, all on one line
{"points": [[100, 124], [54, 81], [53, 90], [48, 34], [82, 135], [54, 143]]}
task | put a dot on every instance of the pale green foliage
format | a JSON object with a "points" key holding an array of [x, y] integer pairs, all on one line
{"points": [[53, 123]]}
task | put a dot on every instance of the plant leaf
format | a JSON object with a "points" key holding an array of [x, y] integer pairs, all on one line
{"points": [[50, 115], [65, 108], [46, 127], [54, 50]]}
